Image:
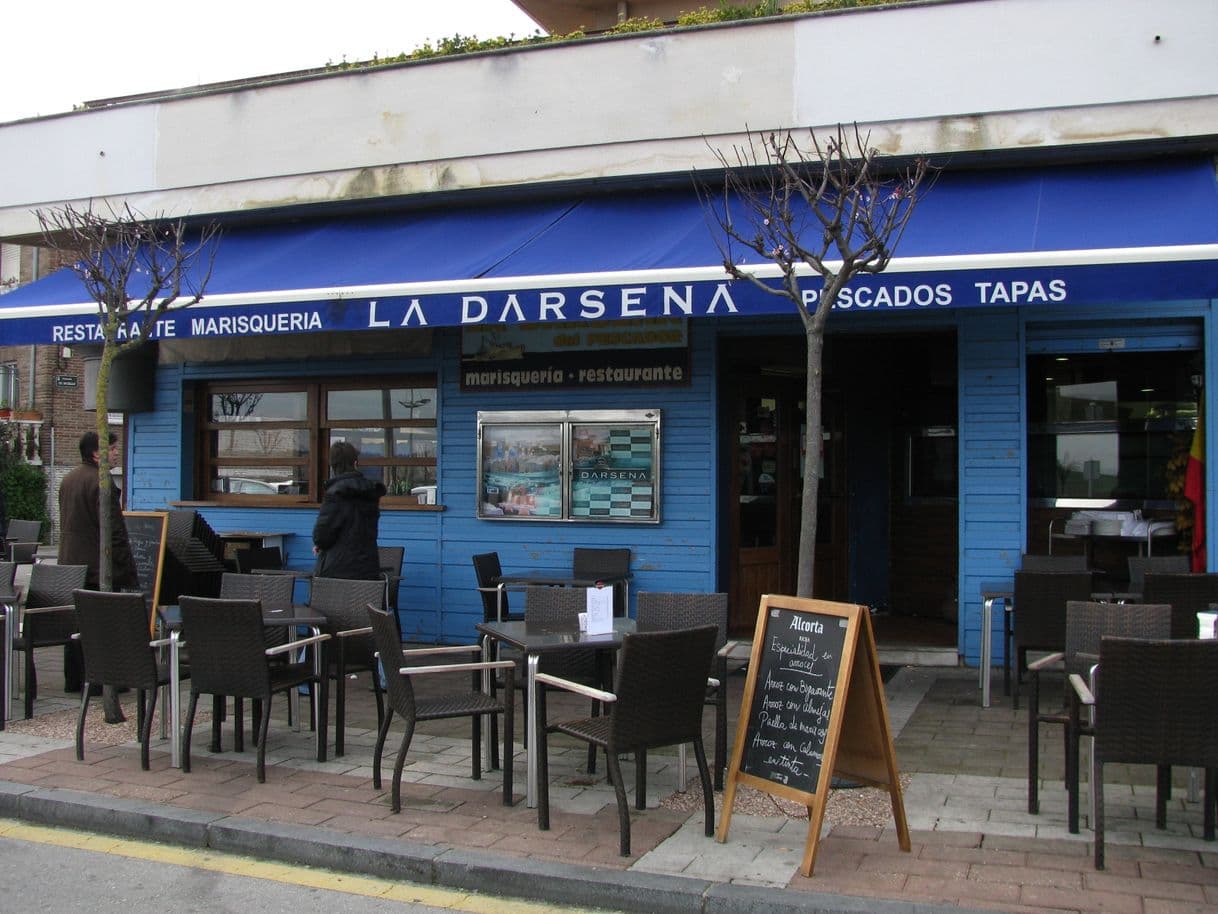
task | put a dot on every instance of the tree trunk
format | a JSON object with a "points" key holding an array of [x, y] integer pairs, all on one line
{"points": [[814, 331], [105, 565]]}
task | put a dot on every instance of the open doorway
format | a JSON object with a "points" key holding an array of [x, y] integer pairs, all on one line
{"points": [[887, 520]]}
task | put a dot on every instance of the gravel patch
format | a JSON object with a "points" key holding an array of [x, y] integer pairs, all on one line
{"points": [[853, 806], [62, 724]]}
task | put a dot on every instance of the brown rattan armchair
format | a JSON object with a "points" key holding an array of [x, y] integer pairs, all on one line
{"points": [[343, 603], [595, 564], [1141, 565], [657, 701], [1188, 594], [21, 539], [672, 611], [228, 658], [117, 652], [275, 591], [1086, 624], [390, 559], [1149, 701], [494, 594], [470, 703], [561, 606], [1039, 622], [48, 617]]}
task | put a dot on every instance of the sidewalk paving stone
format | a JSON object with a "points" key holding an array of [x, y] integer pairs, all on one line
{"points": [[974, 846]]}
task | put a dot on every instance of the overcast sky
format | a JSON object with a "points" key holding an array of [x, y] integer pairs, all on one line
{"points": [[57, 55]]}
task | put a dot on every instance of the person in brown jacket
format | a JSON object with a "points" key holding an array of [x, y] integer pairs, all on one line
{"points": [[80, 536]]}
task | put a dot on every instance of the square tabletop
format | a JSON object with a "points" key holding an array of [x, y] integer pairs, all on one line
{"points": [[171, 616], [535, 638]]}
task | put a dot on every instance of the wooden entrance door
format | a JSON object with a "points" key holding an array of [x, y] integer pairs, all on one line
{"points": [[767, 423]]}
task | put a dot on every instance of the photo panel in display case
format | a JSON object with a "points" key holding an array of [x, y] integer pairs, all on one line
{"points": [[588, 465]]}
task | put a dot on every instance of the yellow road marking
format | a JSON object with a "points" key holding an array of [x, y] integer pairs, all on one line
{"points": [[311, 877]]}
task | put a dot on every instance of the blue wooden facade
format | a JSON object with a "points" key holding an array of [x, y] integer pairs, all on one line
{"points": [[438, 599]]}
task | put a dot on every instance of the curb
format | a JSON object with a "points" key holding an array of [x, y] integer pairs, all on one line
{"points": [[454, 868]]}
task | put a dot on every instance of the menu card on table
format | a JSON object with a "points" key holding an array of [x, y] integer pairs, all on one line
{"points": [[600, 610]]}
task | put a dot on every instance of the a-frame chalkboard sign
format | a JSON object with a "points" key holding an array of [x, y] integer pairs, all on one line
{"points": [[813, 708], [147, 532]]}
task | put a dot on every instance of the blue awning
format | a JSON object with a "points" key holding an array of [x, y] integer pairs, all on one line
{"points": [[1064, 236]]}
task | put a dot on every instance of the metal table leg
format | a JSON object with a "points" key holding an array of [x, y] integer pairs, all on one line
{"points": [[10, 616], [175, 700], [987, 652], [531, 730], [486, 688], [320, 694]]}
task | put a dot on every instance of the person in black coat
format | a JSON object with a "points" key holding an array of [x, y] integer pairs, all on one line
{"points": [[344, 537]]}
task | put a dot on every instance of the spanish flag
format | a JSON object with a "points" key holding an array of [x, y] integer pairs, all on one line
{"points": [[1194, 489]]}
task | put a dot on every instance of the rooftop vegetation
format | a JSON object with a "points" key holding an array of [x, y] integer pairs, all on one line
{"points": [[723, 12]]}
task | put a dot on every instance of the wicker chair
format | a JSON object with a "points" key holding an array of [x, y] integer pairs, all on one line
{"points": [[1145, 704], [470, 703], [657, 701], [274, 592], [561, 606], [343, 602], [391, 558], [1086, 624], [604, 563], [494, 595], [1139, 565], [1188, 595], [21, 539], [671, 611], [227, 657], [117, 652], [8, 579], [1040, 613], [1029, 562], [48, 617]]}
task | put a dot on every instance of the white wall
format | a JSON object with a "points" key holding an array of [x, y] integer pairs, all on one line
{"points": [[964, 75]]}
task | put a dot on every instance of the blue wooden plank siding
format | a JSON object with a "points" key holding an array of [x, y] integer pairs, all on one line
{"points": [[991, 448], [438, 599]]}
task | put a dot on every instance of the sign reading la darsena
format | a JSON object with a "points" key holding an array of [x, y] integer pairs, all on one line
{"points": [[886, 293]]}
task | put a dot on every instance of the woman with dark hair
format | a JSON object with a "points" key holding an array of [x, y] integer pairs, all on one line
{"points": [[344, 537]]}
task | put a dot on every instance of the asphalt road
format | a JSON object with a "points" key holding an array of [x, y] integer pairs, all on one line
{"points": [[45, 869]]}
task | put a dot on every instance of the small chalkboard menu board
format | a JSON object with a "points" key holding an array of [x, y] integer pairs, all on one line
{"points": [[146, 531], [813, 708]]}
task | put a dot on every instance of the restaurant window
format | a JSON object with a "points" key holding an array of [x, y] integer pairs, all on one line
{"points": [[272, 440], [1105, 426]]}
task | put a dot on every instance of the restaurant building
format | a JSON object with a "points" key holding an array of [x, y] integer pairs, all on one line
{"points": [[494, 276]]}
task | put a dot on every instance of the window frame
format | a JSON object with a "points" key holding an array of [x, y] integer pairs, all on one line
{"points": [[318, 430]]}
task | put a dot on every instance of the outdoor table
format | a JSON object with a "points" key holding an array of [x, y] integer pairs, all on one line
{"points": [[533, 640], [544, 577], [171, 618], [991, 593]]}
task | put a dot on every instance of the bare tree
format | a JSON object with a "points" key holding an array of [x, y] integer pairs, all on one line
{"points": [[118, 253], [830, 209]]}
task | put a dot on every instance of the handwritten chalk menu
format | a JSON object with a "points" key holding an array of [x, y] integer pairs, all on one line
{"points": [[146, 531], [813, 707], [788, 720]]}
